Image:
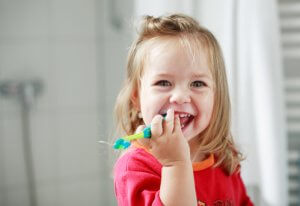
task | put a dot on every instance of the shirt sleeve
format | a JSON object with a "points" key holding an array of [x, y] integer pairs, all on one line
{"points": [[137, 179]]}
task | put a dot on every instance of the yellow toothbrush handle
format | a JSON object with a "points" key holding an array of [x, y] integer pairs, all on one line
{"points": [[134, 136]]}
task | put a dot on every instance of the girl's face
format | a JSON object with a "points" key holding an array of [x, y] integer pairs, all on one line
{"points": [[174, 79]]}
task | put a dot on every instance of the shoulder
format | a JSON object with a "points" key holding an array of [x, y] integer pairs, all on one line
{"points": [[137, 159]]}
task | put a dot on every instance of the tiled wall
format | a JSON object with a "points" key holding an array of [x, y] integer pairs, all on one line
{"points": [[290, 29], [65, 44]]}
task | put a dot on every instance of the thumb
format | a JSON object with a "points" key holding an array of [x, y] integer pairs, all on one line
{"points": [[144, 141], [140, 129]]}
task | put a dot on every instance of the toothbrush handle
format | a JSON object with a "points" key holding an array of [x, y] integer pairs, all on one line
{"points": [[146, 133]]}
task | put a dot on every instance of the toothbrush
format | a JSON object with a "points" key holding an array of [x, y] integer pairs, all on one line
{"points": [[124, 142]]}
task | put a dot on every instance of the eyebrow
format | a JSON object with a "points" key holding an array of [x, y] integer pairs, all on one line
{"points": [[195, 75], [201, 75], [163, 75]]}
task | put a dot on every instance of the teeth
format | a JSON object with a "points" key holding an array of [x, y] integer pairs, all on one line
{"points": [[184, 115]]}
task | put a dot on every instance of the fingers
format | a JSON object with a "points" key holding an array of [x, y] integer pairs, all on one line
{"points": [[156, 126], [169, 122], [160, 126], [156, 131], [144, 141], [177, 126], [140, 129]]}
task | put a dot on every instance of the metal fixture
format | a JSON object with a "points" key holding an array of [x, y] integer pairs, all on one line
{"points": [[25, 92]]}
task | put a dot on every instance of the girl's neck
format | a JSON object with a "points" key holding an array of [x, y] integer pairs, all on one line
{"points": [[196, 156]]}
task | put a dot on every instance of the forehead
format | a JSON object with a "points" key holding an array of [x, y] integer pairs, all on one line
{"points": [[176, 53]]}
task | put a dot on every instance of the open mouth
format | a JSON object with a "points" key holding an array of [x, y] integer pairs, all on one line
{"points": [[185, 118]]}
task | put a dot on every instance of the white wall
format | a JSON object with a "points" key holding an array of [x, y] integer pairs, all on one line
{"points": [[58, 41], [158, 7], [116, 34]]}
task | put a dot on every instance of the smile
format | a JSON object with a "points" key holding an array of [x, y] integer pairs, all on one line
{"points": [[185, 119]]}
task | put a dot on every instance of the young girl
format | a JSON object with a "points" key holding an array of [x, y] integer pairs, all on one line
{"points": [[175, 68]]}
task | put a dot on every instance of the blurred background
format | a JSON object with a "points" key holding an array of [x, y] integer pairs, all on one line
{"points": [[61, 66]]}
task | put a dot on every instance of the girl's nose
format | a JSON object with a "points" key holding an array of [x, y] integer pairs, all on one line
{"points": [[180, 96]]}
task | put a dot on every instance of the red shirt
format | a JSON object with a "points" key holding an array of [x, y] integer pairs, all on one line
{"points": [[137, 176]]}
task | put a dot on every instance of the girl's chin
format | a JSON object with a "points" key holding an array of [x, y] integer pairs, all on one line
{"points": [[190, 138], [187, 134]]}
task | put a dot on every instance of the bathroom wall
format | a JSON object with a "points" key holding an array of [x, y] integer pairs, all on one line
{"points": [[73, 47]]}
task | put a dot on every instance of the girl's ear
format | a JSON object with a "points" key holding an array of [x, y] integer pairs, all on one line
{"points": [[135, 100]]}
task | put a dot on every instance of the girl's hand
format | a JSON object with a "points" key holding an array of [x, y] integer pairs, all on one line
{"points": [[167, 142]]}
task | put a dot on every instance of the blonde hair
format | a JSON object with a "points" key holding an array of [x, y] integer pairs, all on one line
{"points": [[216, 138]]}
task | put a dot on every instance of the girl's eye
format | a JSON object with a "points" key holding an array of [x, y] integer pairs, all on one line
{"points": [[163, 83], [198, 84]]}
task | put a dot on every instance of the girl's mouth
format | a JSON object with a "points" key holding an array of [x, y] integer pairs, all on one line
{"points": [[185, 119]]}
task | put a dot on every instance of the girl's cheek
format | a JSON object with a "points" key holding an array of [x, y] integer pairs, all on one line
{"points": [[206, 98]]}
